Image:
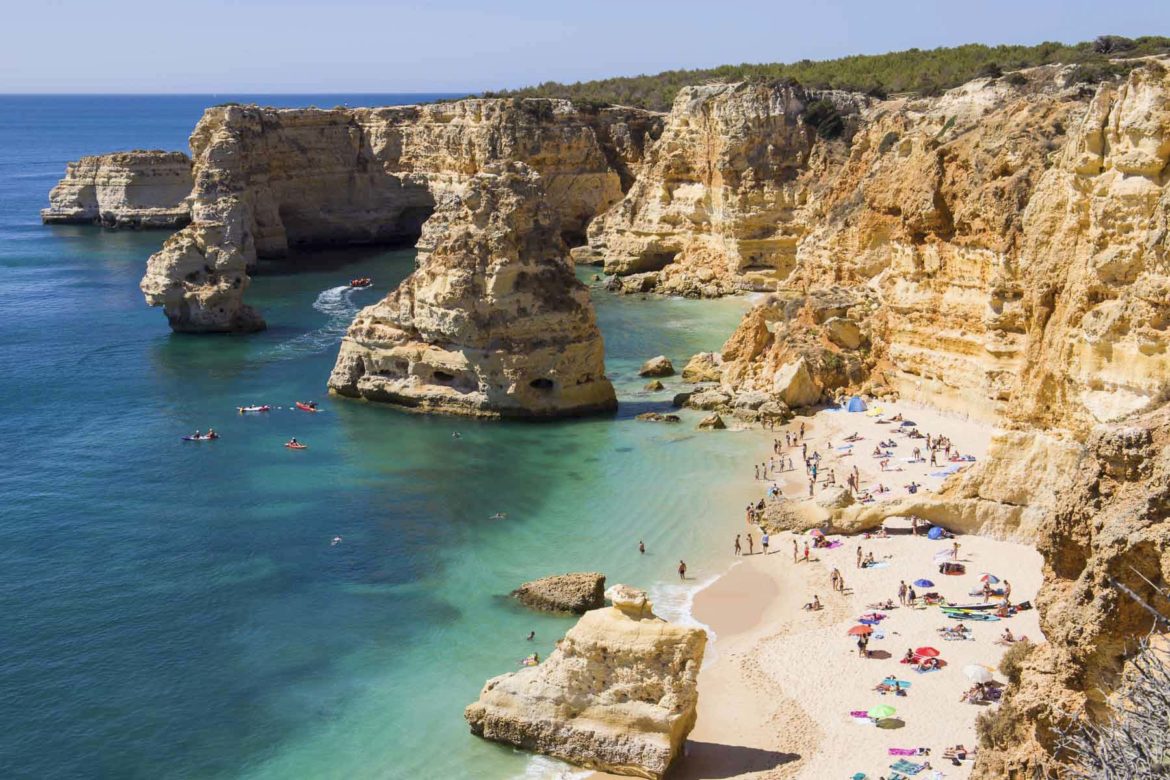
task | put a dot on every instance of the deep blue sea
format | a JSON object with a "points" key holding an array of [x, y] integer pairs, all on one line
{"points": [[177, 610]]}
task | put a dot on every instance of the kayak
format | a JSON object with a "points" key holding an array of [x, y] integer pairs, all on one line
{"points": [[297, 446], [244, 409], [304, 407], [200, 438]]}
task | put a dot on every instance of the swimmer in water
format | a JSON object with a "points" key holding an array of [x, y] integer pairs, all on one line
{"points": [[499, 516], [456, 435], [531, 635]]}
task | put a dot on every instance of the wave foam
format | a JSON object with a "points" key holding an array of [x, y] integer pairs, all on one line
{"points": [[338, 305]]}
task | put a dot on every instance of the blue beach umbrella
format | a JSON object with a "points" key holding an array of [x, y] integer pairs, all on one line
{"points": [[923, 584]]}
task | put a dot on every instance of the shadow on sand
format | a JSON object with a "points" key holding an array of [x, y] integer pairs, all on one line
{"points": [[711, 760]]}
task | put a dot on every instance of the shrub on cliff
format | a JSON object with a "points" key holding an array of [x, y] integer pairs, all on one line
{"points": [[825, 118], [925, 71], [1012, 663]]}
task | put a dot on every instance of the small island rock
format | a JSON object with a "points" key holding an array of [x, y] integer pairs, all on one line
{"points": [[574, 593], [657, 366]]}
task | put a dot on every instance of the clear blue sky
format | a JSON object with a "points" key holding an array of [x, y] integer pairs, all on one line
{"points": [[456, 45]]}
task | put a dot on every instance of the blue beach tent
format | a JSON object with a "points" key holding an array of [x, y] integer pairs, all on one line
{"points": [[856, 404], [935, 533]]}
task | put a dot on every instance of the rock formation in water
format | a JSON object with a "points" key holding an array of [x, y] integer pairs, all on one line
{"points": [[619, 693], [269, 182], [576, 593], [493, 323], [124, 190]]}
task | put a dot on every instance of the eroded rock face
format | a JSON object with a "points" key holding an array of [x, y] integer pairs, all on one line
{"points": [[574, 593], [619, 694], [493, 323], [269, 182], [713, 210], [141, 189]]}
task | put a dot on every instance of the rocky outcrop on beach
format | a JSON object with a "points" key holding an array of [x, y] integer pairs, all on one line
{"points": [[657, 366], [493, 323], [140, 189], [618, 694], [576, 593], [270, 182], [1106, 549]]}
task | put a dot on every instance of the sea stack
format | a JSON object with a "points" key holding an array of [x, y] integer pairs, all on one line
{"points": [[619, 694], [493, 323], [140, 189]]}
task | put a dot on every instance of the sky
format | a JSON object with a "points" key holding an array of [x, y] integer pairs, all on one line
{"points": [[269, 46]]}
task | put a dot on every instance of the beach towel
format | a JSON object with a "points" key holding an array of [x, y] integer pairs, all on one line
{"points": [[877, 565], [909, 767], [844, 448], [903, 751], [892, 680], [837, 543]]}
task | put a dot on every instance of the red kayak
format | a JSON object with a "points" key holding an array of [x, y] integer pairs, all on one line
{"points": [[307, 407], [297, 446]]}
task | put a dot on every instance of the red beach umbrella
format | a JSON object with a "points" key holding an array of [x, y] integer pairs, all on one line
{"points": [[926, 652], [861, 631]]}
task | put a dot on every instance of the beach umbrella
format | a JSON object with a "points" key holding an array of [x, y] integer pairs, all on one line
{"points": [[990, 579], [861, 631], [923, 584], [908, 424], [926, 652], [977, 674], [816, 532], [881, 711]]}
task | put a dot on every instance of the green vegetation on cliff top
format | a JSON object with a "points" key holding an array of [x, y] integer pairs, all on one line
{"points": [[913, 70]]}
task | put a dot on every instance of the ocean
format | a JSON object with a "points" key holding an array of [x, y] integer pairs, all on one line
{"points": [[171, 609]]}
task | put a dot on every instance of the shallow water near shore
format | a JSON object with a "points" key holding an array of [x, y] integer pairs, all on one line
{"points": [[177, 609]]}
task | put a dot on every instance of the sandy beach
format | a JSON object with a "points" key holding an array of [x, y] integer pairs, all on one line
{"points": [[776, 693]]}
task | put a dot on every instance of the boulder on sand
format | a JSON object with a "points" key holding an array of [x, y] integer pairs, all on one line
{"points": [[574, 593], [618, 694], [712, 423], [657, 366], [795, 384]]}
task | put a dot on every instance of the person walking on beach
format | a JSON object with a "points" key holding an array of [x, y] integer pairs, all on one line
{"points": [[795, 551], [682, 570], [911, 596], [902, 593], [955, 551], [641, 547], [812, 483], [934, 457], [738, 548], [806, 552], [860, 556], [1007, 591], [751, 545], [764, 542], [835, 579], [802, 431]]}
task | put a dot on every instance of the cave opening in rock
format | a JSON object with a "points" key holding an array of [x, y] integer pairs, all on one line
{"points": [[443, 376], [542, 383]]}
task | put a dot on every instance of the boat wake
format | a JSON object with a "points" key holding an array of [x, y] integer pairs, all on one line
{"points": [[336, 303]]}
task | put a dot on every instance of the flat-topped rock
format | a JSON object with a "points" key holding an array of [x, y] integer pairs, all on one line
{"points": [[576, 593], [140, 189], [618, 694]]}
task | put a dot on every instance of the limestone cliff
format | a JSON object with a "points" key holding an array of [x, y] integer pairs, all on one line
{"points": [[618, 694], [124, 190], [1003, 250], [493, 322], [717, 205], [268, 182]]}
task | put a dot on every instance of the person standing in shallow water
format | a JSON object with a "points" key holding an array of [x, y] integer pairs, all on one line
{"points": [[682, 570], [641, 547]]}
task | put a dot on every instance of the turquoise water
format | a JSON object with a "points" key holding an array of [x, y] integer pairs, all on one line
{"points": [[174, 609]]}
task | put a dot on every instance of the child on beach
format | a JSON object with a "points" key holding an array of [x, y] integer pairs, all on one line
{"points": [[764, 543]]}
